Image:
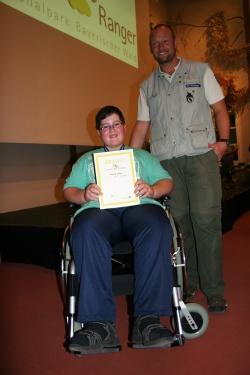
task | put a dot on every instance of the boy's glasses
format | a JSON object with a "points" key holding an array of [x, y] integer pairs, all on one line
{"points": [[109, 127]]}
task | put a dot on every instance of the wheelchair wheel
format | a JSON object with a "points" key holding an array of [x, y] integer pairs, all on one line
{"points": [[200, 316]]}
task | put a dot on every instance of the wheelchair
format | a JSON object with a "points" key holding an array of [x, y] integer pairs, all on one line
{"points": [[189, 320]]}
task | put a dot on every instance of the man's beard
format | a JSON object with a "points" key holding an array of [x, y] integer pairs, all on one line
{"points": [[166, 60]]}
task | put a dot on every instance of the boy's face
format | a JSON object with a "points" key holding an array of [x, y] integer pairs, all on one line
{"points": [[112, 132]]}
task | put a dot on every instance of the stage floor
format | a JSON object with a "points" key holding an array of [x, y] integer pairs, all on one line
{"points": [[34, 236]]}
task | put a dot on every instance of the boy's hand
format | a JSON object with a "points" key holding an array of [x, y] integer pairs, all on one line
{"points": [[92, 192], [142, 189]]}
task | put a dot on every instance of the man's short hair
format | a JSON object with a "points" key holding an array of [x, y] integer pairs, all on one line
{"points": [[158, 25]]}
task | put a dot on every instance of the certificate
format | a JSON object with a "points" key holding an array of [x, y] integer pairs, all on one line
{"points": [[116, 176]]}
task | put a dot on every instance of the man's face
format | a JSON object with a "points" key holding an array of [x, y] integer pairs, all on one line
{"points": [[162, 45], [112, 132]]}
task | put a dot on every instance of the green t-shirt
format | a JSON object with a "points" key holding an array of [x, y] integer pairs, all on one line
{"points": [[148, 168]]}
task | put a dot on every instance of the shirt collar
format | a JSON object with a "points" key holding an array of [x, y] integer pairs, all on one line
{"points": [[169, 77], [107, 150]]}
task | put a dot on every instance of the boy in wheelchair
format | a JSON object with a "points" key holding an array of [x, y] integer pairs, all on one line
{"points": [[95, 231]]}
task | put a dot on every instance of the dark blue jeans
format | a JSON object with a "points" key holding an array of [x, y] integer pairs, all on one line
{"points": [[95, 231]]}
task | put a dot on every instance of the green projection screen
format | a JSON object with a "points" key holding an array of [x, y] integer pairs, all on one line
{"points": [[61, 60], [109, 25]]}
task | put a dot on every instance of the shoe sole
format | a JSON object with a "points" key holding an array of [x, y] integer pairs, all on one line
{"points": [[78, 350], [160, 345], [217, 310]]}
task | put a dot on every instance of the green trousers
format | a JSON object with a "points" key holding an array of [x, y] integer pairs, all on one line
{"points": [[196, 205]]}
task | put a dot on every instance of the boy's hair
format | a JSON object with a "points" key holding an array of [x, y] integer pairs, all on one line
{"points": [[105, 112]]}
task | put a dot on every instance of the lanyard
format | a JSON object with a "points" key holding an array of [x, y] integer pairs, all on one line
{"points": [[107, 150]]}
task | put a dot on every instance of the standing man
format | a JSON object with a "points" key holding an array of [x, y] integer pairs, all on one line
{"points": [[175, 102]]}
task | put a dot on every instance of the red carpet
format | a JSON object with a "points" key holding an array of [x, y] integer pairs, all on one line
{"points": [[32, 326]]}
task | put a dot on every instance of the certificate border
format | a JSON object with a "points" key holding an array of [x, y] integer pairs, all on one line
{"points": [[97, 157]]}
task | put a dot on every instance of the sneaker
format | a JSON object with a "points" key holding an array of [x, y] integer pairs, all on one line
{"points": [[189, 295], [148, 332], [217, 304], [95, 337]]}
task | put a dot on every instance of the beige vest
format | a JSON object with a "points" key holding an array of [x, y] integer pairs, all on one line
{"points": [[181, 119]]}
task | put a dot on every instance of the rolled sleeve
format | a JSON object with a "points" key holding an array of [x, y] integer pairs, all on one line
{"points": [[213, 90], [143, 110]]}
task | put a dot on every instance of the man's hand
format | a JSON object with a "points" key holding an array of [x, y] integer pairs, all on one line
{"points": [[219, 148]]}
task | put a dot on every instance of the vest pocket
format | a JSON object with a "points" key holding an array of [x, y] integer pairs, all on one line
{"points": [[198, 136]]}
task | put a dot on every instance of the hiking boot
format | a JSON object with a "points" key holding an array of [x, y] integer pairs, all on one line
{"points": [[95, 337], [217, 304], [148, 332]]}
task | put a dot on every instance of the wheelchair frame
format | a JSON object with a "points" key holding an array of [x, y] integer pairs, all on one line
{"points": [[189, 320]]}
